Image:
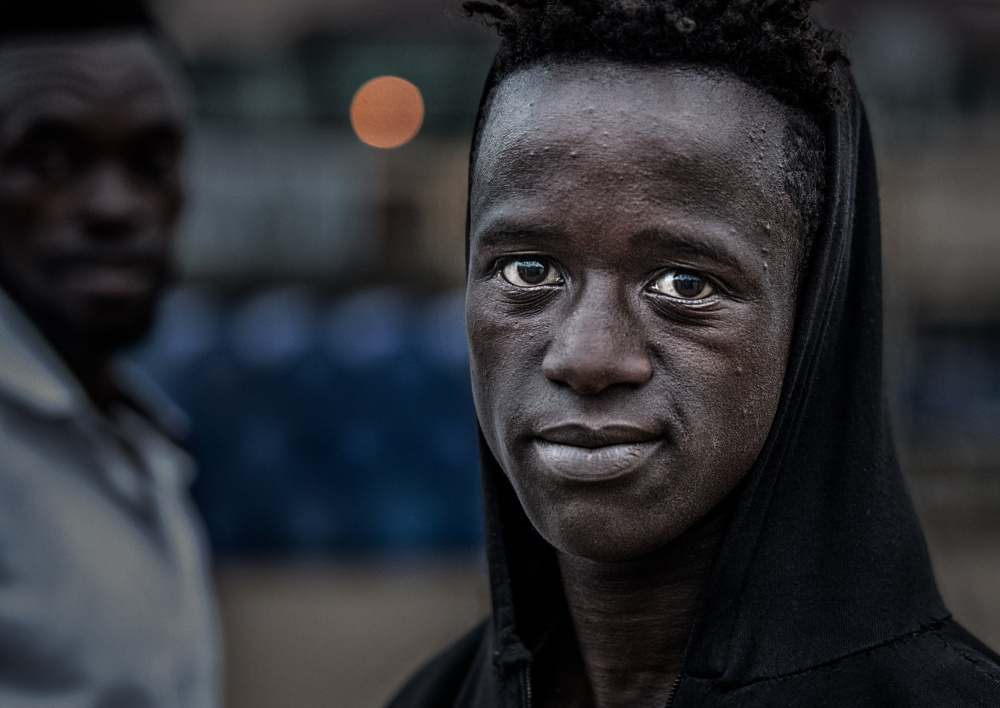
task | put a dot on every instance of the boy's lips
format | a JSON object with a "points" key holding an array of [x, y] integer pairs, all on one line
{"points": [[584, 453]]}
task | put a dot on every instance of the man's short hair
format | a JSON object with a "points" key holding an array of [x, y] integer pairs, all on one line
{"points": [[770, 44], [25, 18]]}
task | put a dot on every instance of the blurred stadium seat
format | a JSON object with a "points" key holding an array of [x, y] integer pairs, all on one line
{"points": [[325, 426]]}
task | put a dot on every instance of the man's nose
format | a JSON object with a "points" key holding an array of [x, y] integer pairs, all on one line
{"points": [[597, 346], [111, 203]]}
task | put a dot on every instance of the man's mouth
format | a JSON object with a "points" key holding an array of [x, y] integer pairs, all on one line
{"points": [[595, 453], [111, 278]]}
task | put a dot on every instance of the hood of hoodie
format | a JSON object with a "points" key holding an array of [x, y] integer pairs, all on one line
{"points": [[824, 556]]}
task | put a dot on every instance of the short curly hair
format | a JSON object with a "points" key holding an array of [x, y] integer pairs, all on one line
{"points": [[25, 18], [770, 44]]}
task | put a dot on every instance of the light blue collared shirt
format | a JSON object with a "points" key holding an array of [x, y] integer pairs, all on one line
{"points": [[105, 597]]}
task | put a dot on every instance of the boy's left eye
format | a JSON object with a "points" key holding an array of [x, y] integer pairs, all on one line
{"points": [[683, 285], [529, 273]]}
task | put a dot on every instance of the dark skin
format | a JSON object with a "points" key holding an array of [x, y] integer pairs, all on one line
{"points": [[631, 298], [91, 134]]}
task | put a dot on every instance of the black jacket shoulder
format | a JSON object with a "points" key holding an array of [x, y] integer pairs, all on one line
{"points": [[941, 667], [441, 682]]}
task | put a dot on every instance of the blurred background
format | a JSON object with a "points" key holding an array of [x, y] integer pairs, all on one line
{"points": [[316, 335]]}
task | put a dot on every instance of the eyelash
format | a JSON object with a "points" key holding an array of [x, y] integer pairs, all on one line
{"points": [[500, 265], [717, 286], [661, 300]]}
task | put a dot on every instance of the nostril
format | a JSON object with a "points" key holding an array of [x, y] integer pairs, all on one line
{"points": [[591, 375]]}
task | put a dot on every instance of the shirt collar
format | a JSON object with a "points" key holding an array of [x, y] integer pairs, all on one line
{"points": [[149, 399], [33, 375]]}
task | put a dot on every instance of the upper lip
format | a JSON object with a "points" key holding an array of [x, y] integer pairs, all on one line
{"points": [[580, 435], [123, 261]]}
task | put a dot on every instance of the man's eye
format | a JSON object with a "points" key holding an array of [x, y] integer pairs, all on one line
{"points": [[51, 162], [530, 274], [156, 160], [683, 286]]}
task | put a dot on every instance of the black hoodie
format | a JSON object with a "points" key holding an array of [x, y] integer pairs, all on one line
{"points": [[822, 593]]}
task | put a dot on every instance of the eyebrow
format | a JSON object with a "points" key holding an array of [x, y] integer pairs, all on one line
{"points": [[502, 231], [693, 246], [40, 128], [48, 123], [52, 126], [505, 230], [161, 130]]}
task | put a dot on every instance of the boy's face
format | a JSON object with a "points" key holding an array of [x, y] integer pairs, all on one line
{"points": [[631, 295]]}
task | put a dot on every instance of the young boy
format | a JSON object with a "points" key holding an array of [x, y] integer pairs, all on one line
{"points": [[674, 316]]}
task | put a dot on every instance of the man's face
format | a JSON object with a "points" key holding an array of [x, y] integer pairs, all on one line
{"points": [[631, 295], [91, 133]]}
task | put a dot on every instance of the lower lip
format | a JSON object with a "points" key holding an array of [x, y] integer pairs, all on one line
{"points": [[601, 464], [110, 281]]}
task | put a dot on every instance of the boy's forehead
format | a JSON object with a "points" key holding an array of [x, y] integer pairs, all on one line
{"points": [[598, 103], [688, 133]]}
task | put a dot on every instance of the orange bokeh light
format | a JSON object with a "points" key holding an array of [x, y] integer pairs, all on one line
{"points": [[387, 112]]}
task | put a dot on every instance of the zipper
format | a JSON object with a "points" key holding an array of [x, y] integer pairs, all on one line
{"points": [[673, 691], [527, 689]]}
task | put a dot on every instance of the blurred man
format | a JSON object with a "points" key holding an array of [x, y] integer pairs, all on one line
{"points": [[104, 596]]}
